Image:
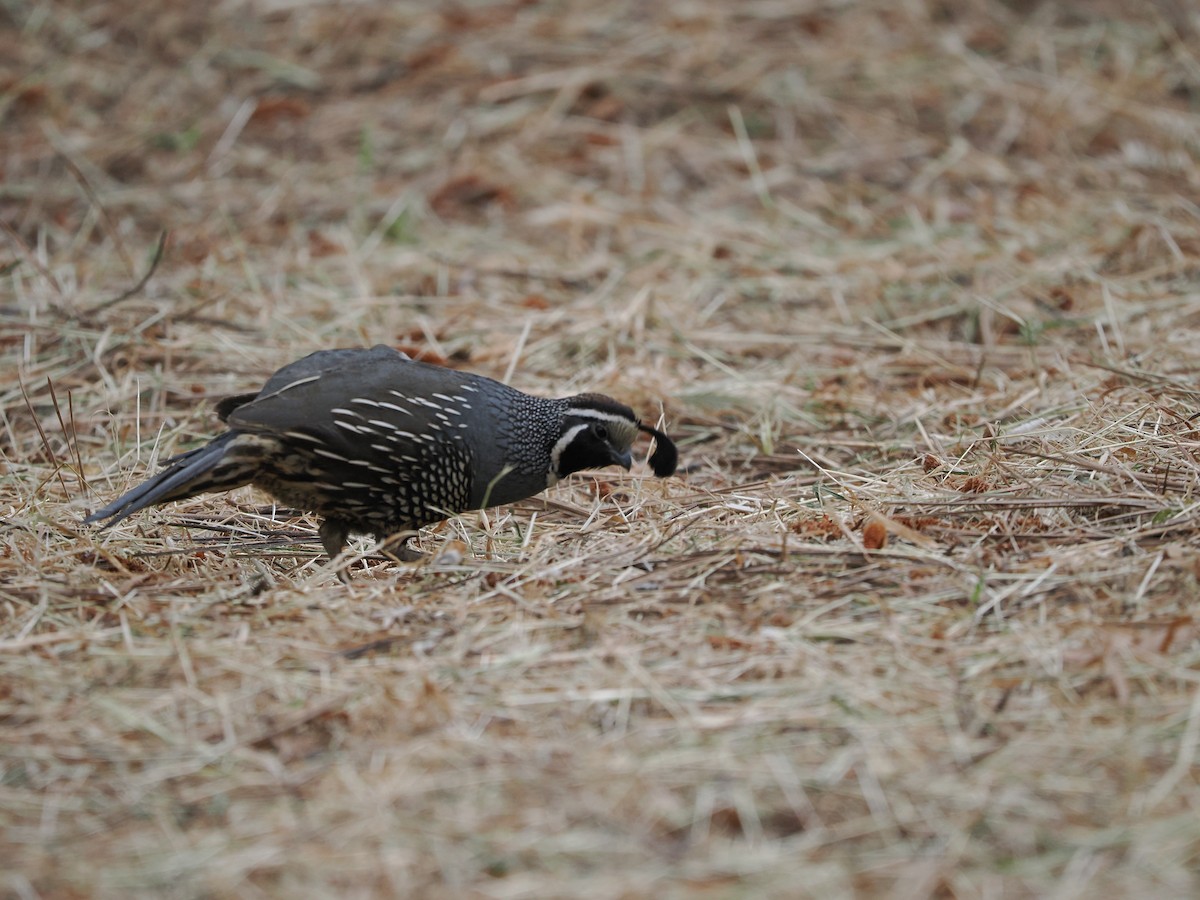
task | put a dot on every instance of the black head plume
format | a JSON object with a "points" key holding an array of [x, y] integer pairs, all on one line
{"points": [[665, 457]]}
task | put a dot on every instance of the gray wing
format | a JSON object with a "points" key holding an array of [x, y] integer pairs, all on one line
{"points": [[325, 362], [293, 379], [358, 393], [391, 432]]}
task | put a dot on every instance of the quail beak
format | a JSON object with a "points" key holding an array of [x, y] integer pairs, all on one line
{"points": [[624, 460]]}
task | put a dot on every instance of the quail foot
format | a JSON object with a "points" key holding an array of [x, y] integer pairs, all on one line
{"points": [[377, 443]]}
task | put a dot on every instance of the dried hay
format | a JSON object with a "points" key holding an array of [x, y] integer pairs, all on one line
{"points": [[915, 285]]}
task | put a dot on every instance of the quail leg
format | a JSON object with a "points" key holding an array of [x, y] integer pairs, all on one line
{"points": [[334, 535], [396, 546]]}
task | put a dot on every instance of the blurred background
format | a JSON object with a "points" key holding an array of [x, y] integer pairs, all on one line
{"points": [[915, 285]]}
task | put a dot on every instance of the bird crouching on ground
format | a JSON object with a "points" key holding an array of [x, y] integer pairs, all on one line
{"points": [[377, 443]]}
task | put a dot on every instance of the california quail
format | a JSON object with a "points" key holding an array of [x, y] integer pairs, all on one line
{"points": [[377, 443]]}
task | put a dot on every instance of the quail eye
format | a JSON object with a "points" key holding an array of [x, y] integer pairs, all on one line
{"points": [[599, 432]]}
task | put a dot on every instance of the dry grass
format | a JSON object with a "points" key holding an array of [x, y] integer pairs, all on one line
{"points": [[916, 287]]}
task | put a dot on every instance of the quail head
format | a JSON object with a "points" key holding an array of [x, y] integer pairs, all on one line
{"points": [[377, 443]]}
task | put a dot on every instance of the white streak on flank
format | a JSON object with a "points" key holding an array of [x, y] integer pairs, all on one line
{"points": [[345, 412], [287, 387], [563, 442], [381, 424], [329, 454], [444, 397], [364, 401], [346, 425], [395, 408], [301, 436]]}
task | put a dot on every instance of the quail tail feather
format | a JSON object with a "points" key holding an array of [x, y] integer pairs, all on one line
{"points": [[188, 474]]}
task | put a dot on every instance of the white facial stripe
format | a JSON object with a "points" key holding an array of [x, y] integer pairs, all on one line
{"points": [[563, 443], [584, 413]]}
